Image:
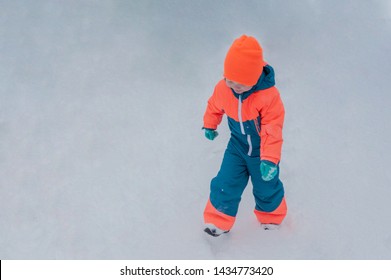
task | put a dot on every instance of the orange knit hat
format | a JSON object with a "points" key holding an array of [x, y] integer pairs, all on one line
{"points": [[244, 61]]}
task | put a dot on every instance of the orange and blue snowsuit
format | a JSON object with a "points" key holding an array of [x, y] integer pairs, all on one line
{"points": [[255, 119]]}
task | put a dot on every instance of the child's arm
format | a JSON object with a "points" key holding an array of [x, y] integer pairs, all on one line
{"points": [[214, 112], [272, 121]]}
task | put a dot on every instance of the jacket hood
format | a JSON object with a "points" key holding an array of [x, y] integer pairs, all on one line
{"points": [[265, 81]]}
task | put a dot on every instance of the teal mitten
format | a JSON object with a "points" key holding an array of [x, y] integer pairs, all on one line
{"points": [[210, 133], [268, 170]]}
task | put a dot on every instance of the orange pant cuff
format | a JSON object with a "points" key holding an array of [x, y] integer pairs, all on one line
{"points": [[219, 219], [275, 217]]}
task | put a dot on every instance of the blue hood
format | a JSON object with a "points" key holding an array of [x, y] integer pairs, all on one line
{"points": [[265, 81]]}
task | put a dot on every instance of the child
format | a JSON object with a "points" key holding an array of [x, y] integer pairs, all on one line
{"points": [[255, 115]]}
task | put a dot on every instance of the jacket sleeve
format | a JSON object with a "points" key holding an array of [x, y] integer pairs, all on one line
{"points": [[272, 121], [214, 111]]}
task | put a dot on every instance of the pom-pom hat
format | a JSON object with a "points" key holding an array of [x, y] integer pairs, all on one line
{"points": [[244, 61]]}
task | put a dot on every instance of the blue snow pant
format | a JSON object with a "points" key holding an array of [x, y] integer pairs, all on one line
{"points": [[227, 187]]}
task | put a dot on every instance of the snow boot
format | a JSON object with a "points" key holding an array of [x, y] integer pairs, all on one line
{"points": [[270, 226], [213, 230]]}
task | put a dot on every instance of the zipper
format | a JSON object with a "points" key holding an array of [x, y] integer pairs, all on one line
{"points": [[240, 115], [250, 145]]}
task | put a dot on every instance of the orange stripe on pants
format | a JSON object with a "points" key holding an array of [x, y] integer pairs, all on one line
{"points": [[274, 217], [219, 219]]}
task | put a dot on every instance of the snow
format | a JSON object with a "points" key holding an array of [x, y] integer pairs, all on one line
{"points": [[101, 150]]}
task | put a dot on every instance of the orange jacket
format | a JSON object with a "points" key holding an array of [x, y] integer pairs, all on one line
{"points": [[255, 118]]}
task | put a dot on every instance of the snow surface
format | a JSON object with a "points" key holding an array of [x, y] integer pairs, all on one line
{"points": [[101, 150]]}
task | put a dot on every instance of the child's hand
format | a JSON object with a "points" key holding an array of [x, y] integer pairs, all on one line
{"points": [[268, 170], [210, 133]]}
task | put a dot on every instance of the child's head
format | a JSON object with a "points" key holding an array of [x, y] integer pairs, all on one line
{"points": [[237, 87], [244, 61]]}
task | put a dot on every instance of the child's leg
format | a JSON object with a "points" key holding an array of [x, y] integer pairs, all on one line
{"points": [[226, 190], [270, 205], [274, 217]]}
